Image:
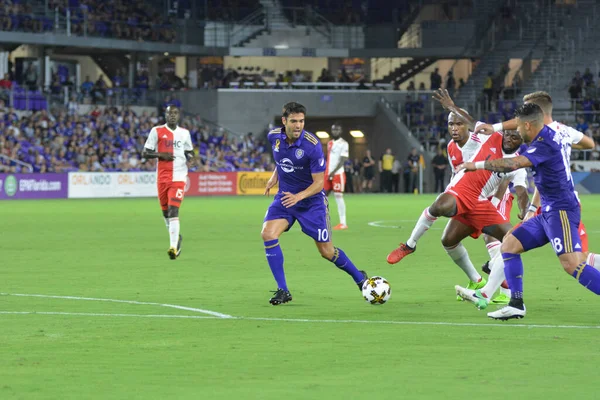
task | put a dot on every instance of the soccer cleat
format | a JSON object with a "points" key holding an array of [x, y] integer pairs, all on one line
{"points": [[172, 253], [507, 313], [486, 268], [474, 296], [340, 227], [500, 299], [473, 285], [179, 245], [362, 282], [397, 255], [280, 296]]}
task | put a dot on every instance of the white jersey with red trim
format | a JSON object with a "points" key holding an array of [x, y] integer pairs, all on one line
{"points": [[482, 185], [336, 149], [457, 155], [163, 140]]}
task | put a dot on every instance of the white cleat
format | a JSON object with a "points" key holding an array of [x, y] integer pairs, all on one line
{"points": [[473, 296], [507, 313]]}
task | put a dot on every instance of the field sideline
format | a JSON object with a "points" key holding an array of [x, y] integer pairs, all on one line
{"points": [[91, 307]]}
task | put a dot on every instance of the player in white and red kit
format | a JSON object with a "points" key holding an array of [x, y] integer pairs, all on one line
{"points": [[337, 154], [172, 145]]}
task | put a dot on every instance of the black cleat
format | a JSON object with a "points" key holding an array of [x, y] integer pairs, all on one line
{"points": [[179, 245], [365, 278], [486, 268], [280, 296]]}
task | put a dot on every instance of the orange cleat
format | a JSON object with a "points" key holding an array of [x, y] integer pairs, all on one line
{"points": [[397, 255], [340, 227]]}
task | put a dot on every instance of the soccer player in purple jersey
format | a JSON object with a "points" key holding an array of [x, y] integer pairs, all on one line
{"points": [[548, 156], [300, 172]]}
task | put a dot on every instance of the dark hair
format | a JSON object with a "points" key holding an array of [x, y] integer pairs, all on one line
{"points": [[530, 112], [337, 123], [293, 108]]}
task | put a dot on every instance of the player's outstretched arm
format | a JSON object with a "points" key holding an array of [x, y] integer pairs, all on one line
{"points": [[586, 143], [290, 199], [148, 154], [488, 129], [499, 165], [443, 97]]}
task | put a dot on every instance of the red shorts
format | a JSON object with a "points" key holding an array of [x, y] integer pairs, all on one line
{"points": [[336, 184], [170, 194], [477, 214]]}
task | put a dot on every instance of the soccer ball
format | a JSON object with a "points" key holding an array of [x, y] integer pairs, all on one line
{"points": [[376, 290]]}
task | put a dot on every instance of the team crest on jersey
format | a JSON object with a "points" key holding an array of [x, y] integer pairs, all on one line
{"points": [[276, 148], [299, 153]]}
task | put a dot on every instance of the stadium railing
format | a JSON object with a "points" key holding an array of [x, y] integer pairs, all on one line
{"points": [[310, 85]]}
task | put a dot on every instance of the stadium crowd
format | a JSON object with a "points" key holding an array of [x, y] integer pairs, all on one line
{"points": [[112, 140]]}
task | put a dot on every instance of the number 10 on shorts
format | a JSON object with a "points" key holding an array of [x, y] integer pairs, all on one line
{"points": [[323, 235]]}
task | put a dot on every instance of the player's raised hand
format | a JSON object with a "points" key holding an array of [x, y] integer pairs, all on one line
{"points": [[485, 129], [468, 166], [270, 183], [443, 97], [289, 199], [166, 156]]}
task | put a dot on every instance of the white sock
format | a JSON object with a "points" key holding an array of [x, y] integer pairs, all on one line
{"points": [[460, 256], [167, 223], [341, 205], [505, 291], [174, 231], [423, 224], [593, 260], [493, 249], [496, 277]]}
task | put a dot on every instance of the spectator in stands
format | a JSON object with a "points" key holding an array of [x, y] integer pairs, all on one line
{"points": [[450, 83], [413, 168], [440, 165], [582, 125], [31, 77], [396, 169], [368, 164], [435, 80], [386, 163]]}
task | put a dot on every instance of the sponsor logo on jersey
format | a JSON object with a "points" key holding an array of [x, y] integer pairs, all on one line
{"points": [[493, 149], [165, 137], [174, 143], [286, 165]]}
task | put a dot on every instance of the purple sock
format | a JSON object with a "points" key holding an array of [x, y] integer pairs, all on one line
{"points": [[588, 276], [513, 269], [275, 260], [341, 260]]}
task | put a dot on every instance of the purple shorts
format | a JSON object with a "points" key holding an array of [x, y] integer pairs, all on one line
{"points": [[560, 228], [312, 214]]}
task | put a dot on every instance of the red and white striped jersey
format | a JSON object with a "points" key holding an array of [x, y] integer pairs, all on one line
{"points": [[457, 155], [177, 142], [482, 184]]}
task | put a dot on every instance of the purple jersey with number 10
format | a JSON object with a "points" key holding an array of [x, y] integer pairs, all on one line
{"points": [[549, 152], [295, 165]]}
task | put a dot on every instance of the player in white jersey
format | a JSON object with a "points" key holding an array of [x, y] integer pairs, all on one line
{"points": [[337, 154], [172, 146]]}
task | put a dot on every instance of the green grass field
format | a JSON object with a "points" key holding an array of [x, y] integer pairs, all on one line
{"points": [[327, 343]]}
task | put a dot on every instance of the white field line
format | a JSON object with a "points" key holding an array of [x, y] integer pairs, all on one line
{"points": [[305, 320], [218, 316], [198, 310]]}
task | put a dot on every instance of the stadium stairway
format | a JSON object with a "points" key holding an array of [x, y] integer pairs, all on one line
{"points": [[576, 47], [513, 42]]}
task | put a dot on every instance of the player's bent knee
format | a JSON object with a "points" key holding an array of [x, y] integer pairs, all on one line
{"points": [[511, 244], [269, 234], [173, 212], [448, 241]]}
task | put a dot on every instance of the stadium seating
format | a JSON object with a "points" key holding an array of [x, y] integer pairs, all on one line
{"points": [[113, 140]]}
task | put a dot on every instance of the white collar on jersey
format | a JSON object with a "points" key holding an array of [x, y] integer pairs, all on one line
{"points": [[167, 126]]}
